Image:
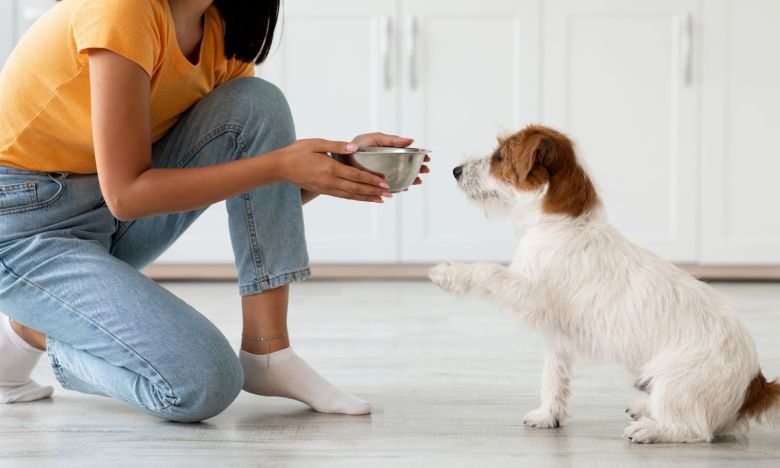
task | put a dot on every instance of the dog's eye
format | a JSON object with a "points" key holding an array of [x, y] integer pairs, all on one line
{"points": [[498, 157]]}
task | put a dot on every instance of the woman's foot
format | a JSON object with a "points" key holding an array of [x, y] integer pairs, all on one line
{"points": [[284, 374], [18, 361]]}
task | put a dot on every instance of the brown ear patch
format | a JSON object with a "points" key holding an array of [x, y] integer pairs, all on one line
{"points": [[515, 162], [760, 396], [537, 155]]}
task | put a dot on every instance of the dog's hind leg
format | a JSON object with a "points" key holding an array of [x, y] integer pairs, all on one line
{"points": [[556, 378], [685, 407], [638, 410]]}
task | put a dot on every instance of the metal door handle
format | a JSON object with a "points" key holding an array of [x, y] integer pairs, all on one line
{"points": [[386, 41], [687, 53], [412, 46]]}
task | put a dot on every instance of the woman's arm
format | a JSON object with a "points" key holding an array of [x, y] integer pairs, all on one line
{"points": [[121, 127]]}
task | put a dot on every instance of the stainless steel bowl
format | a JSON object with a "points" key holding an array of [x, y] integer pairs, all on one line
{"points": [[399, 166]]}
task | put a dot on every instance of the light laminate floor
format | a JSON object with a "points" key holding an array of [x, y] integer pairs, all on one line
{"points": [[450, 380]]}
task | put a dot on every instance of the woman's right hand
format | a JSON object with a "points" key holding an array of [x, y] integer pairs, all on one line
{"points": [[306, 163]]}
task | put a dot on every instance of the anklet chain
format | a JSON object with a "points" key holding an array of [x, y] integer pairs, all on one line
{"points": [[267, 340]]}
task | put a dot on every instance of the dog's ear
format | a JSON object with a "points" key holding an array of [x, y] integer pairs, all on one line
{"points": [[539, 155], [570, 190], [527, 156]]}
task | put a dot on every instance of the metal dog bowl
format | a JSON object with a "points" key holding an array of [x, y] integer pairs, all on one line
{"points": [[399, 166]]}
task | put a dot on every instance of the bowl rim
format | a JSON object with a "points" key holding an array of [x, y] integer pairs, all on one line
{"points": [[390, 150]]}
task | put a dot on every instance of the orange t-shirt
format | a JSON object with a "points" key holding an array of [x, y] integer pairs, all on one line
{"points": [[45, 118]]}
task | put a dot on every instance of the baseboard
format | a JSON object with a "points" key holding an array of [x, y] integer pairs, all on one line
{"points": [[225, 272]]}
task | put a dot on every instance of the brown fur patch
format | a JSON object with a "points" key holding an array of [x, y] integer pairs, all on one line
{"points": [[537, 155], [759, 396]]}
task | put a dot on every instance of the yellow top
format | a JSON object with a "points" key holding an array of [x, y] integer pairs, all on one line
{"points": [[45, 119]]}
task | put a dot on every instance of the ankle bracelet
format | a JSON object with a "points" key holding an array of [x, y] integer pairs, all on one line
{"points": [[267, 340]]}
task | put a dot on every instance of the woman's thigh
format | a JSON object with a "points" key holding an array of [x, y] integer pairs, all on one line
{"points": [[114, 332]]}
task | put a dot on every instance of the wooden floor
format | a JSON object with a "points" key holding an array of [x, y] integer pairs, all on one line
{"points": [[450, 380]]}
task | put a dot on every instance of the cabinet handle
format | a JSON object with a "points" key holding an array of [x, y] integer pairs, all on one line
{"points": [[687, 45], [386, 41], [412, 39]]}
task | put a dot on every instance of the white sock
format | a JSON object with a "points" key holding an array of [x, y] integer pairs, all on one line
{"points": [[285, 374], [17, 361]]}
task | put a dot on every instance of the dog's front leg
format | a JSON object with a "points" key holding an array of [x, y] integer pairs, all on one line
{"points": [[466, 278], [555, 389], [509, 290]]}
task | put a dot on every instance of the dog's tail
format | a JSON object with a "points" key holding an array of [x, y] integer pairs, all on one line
{"points": [[762, 401]]}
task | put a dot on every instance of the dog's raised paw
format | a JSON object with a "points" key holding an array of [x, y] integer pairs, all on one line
{"points": [[447, 276], [542, 419]]}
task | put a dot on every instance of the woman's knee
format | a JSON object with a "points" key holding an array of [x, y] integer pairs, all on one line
{"points": [[262, 108], [208, 389]]}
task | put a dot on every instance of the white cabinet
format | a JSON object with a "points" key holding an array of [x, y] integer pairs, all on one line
{"points": [[468, 74], [415, 68], [741, 157], [620, 77], [336, 63], [673, 104]]}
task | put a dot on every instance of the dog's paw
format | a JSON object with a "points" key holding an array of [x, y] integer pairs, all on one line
{"points": [[638, 410], [451, 277], [542, 418], [645, 431], [464, 278]]}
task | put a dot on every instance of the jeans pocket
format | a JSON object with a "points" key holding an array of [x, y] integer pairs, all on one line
{"points": [[27, 191]]}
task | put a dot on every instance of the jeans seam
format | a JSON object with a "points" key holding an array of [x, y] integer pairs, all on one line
{"points": [[127, 348], [126, 225], [189, 155], [222, 129], [38, 205], [257, 254], [58, 374], [55, 363], [268, 282], [249, 217]]}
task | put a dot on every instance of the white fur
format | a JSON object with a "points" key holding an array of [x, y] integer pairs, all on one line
{"points": [[596, 294]]}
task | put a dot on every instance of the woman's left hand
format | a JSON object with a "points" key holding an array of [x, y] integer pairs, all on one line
{"points": [[382, 139]]}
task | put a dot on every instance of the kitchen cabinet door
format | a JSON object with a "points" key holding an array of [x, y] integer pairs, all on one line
{"points": [[621, 78], [469, 73], [336, 63], [740, 124]]}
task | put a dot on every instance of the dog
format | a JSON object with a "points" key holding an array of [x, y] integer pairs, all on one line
{"points": [[595, 294]]}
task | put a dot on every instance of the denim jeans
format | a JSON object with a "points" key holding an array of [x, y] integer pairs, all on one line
{"points": [[69, 269]]}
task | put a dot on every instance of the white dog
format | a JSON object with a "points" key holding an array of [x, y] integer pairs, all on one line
{"points": [[596, 294]]}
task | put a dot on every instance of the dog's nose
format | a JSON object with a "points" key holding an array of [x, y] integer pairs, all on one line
{"points": [[457, 172]]}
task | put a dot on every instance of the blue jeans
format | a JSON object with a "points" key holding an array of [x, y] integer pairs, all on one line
{"points": [[69, 269]]}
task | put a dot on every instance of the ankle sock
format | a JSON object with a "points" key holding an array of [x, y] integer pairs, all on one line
{"points": [[17, 361], [284, 374]]}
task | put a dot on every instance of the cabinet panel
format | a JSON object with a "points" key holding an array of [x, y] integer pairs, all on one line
{"points": [[331, 63], [620, 78], [741, 158], [332, 66], [469, 74]]}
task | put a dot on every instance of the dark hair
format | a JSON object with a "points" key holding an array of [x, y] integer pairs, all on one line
{"points": [[249, 28]]}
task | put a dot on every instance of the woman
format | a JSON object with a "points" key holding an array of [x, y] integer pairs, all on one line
{"points": [[121, 121]]}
